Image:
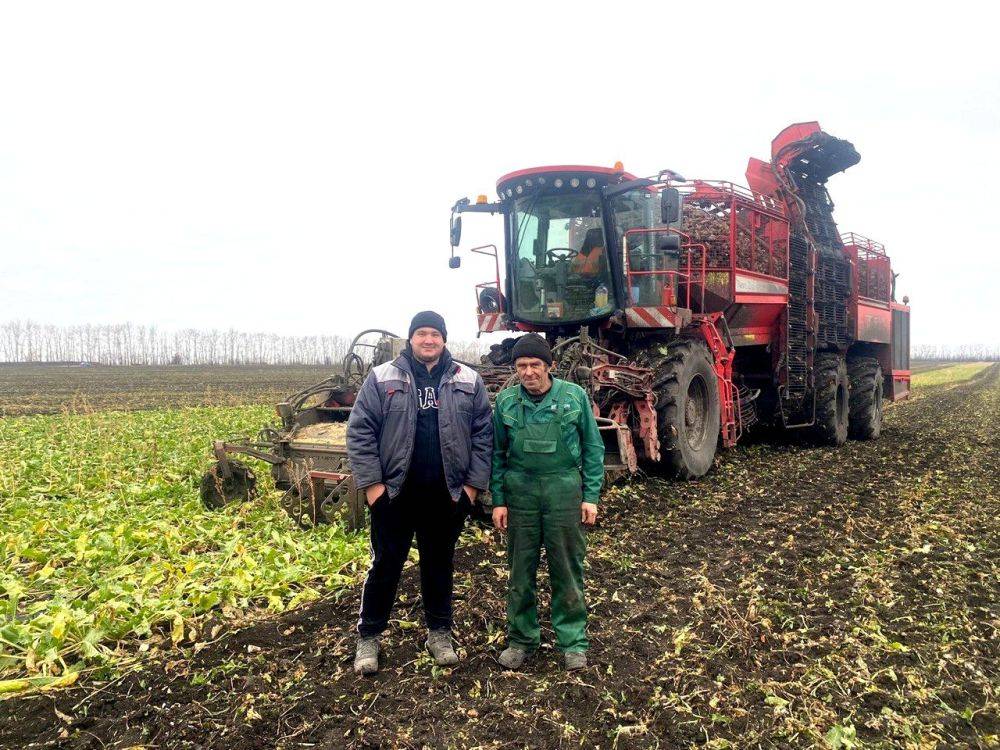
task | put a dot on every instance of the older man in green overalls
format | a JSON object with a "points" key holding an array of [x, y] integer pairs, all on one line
{"points": [[548, 465]]}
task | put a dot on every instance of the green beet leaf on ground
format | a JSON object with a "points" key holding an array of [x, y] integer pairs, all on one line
{"points": [[106, 546]]}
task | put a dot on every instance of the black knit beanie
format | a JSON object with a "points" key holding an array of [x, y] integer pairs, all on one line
{"points": [[428, 319], [532, 345]]}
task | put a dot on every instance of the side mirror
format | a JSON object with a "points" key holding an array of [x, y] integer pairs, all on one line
{"points": [[454, 261], [456, 231], [670, 205]]}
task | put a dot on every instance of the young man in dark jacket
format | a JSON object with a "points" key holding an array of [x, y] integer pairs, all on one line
{"points": [[420, 443]]}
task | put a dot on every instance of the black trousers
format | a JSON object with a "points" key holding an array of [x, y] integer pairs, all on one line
{"points": [[436, 520]]}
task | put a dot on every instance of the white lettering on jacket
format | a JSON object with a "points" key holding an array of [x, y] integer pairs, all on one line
{"points": [[427, 398]]}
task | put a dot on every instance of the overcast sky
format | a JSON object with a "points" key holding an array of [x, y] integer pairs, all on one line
{"points": [[289, 167]]}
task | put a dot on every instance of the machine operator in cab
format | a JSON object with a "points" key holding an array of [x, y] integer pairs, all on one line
{"points": [[548, 465], [589, 262]]}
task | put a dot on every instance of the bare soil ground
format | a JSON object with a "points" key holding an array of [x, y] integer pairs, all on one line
{"points": [[795, 597], [51, 389]]}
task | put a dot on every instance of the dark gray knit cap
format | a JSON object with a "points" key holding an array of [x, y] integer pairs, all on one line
{"points": [[532, 345], [428, 319]]}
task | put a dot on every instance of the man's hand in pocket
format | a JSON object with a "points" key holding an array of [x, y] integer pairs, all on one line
{"points": [[373, 492]]}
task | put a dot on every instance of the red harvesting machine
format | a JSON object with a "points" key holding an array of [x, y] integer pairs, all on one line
{"points": [[689, 310], [692, 309]]}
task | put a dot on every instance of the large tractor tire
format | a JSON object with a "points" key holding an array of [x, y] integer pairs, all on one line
{"points": [[865, 374], [687, 408], [833, 390]]}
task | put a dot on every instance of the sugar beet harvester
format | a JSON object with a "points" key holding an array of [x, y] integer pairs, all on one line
{"points": [[688, 309]]}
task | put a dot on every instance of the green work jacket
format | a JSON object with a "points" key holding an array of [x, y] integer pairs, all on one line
{"points": [[514, 410]]}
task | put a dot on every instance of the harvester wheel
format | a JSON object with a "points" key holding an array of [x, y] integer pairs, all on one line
{"points": [[866, 398], [217, 489], [687, 408], [833, 398]]}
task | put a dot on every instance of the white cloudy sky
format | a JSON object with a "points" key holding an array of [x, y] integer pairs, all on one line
{"points": [[289, 166]]}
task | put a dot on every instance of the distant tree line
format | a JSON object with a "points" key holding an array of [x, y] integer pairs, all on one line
{"points": [[131, 344], [960, 353]]}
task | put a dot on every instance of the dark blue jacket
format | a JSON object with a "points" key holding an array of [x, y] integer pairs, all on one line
{"points": [[383, 423]]}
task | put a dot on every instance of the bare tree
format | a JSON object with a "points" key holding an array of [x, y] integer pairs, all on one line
{"points": [[132, 344]]}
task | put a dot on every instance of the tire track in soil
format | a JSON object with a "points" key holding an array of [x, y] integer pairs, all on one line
{"points": [[793, 590]]}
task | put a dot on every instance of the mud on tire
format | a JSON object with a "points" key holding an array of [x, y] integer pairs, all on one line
{"points": [[687, 408], [865, 374], [832, 399]]}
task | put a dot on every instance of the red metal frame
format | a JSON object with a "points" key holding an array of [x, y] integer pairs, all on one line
{"points": [[492, 321], [748, 213], [873, 271], [871, 288], [790, 136], [618, 419], [667, 292], [899, 376], [760, 216], [481, 250], [531, 171], [638, 384], [722, 361], [333, 476]]}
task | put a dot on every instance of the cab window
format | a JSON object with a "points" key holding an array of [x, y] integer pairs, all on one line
{"points": [[561, 270]]}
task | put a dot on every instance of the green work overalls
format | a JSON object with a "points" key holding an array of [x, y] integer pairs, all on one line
{"points": [[543, 491]]}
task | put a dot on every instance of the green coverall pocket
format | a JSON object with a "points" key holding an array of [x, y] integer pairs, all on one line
{"points": [[539, 446], [566, 489]]}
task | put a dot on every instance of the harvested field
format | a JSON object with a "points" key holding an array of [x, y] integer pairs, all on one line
{"points": [[925, 365], [53, 389], [795, 597], [949, 374]]}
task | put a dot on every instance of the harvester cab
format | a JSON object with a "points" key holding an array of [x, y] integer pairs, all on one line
{"points": [[648, 287], [565, 229], [595, 259]]}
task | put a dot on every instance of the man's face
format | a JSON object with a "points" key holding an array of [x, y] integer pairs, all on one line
{"points": [[533, 374], [427, 344]]}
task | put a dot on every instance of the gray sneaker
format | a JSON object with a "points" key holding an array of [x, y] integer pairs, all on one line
{"points": [[441, 648], [513, 657], [366, 657], [575, 660]]}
